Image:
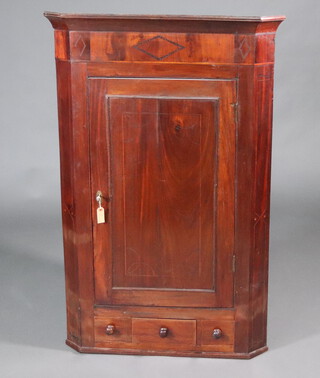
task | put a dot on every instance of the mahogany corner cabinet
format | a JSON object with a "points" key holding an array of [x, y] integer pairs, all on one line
{"points": [[165, 144]]}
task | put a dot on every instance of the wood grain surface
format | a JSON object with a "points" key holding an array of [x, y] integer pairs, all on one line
{"points": [[170, 117]]}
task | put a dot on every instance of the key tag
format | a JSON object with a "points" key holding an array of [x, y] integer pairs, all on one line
{"points": [[100, 209]]}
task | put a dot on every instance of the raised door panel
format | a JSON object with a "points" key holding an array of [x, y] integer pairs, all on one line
{"points": [[162, 155], [163, 160]]}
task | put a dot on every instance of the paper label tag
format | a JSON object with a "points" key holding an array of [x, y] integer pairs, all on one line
{"points": [[100, 215]]}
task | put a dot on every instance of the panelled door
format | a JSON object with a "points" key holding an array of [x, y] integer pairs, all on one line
{"points": [[163, 156]]}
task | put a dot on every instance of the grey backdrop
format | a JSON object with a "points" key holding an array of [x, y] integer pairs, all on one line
{"points": [[32, 315]]}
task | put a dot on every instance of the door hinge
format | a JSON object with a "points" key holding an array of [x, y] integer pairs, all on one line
{"points": [[233, 263]]}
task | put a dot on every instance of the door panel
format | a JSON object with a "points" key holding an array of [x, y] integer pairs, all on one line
{"points": [[162, 164], [162, 154]]}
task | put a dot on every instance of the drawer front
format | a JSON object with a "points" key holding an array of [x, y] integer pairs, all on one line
{"points": [[112, 330], [215, 334], [164, 333]]}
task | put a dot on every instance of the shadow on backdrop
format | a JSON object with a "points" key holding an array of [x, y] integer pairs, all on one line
{"points": [[32, 299], [294, 300]]}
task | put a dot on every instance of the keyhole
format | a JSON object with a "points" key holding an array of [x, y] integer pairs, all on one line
{"points": [[178, 128]]}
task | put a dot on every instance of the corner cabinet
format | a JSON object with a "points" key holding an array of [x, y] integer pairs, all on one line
{"points": [[165, 142]]}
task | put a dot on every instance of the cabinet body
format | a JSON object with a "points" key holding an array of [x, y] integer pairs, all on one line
{"points": [[169, 118]]}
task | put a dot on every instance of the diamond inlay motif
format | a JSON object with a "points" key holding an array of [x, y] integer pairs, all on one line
{"points": [[80, 44], [244, 48], [158, 47]]}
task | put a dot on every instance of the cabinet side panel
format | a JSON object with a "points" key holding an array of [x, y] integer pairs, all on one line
{"points": [[244, 200], [61, 38], [82, 199], [264, 48], [259, 254], [252, 205], [67, 200]]}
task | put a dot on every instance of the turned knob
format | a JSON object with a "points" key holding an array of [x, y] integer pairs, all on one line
{"points": [[163, 332], [217, 333], [110, 328]]}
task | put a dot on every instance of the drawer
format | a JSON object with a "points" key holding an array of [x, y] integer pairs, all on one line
{"points": [[215, 333], [112, 329], [164, 333]]}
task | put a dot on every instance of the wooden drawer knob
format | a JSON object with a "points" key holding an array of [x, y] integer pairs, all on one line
{"points": [[110, 328], [217, 333], [163, 332]]}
